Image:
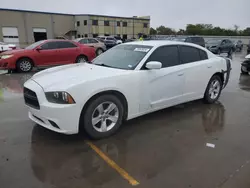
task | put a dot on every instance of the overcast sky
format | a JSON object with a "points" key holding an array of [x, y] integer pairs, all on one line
{"points": [[171, 13]]}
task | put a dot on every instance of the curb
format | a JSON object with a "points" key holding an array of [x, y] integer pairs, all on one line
{"points": [[3, 72]]}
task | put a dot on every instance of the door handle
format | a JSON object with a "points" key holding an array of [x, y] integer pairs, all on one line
{"points": [[181, 74]]}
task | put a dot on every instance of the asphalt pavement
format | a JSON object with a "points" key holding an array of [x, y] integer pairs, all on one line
{"points": [[192, 145]]}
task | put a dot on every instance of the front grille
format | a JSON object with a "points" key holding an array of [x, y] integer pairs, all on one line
{"points": [[30, 98]]}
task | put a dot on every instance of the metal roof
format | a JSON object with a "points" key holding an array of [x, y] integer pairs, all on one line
{"points": [[57, 13]]}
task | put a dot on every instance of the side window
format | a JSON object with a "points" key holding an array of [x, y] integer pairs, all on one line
{"points": [[65, 44], [50, 46], [167, 55], [223, 42], [84, 41], [93, 41], [203, 55], [189, 39], [189, 54]]}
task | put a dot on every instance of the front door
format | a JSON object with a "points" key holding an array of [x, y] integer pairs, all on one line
{"points": [[47, 55], [164, 86]]}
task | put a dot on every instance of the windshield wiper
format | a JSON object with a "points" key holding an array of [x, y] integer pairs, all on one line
{"points": [[104, 65]]}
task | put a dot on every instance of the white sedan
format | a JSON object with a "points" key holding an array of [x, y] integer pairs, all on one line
{"points": [[5, 47], [127, 81]]}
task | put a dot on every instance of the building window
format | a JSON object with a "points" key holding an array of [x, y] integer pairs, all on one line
{"points": [[145, 25], [124, 37], [78, 23], [82, 36], [94, 22], [106, 23], [106, 34], [78, 36], [86, 35], [124, 24], [118, 24], [95, 35], [85, 22]]}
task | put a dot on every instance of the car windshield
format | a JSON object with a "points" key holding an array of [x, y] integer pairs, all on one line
{"points": [[32, 46], [213, 41], [123, 56]]}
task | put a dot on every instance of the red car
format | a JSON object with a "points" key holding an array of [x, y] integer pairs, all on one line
{"points": [[46, 53]]}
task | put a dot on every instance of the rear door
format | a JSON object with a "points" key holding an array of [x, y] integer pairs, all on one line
{"points": [[48, 55], [197, 70], [68, 52]]}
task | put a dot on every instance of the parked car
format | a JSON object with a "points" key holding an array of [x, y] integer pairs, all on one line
{"points": [[108, 41], [127, 81], [192, 39], [5, 47], [118, 40], [98, 45], [220, 46], [248, 47], [46, 53], [238, 45], [245, 66]]}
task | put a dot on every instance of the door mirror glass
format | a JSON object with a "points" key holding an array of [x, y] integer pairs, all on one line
{"points": [[154, 65]]}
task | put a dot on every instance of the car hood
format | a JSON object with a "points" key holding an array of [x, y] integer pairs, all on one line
{"points": [[15, 51], [70, 75]]}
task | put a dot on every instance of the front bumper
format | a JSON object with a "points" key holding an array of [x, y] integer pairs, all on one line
{"points": [[7, 64], [61, 118]]}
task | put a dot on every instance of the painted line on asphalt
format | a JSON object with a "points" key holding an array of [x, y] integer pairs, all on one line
{"points": [[111, 163]]}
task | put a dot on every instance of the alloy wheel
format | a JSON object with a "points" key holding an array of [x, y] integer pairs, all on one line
{"points": [[25, 65], [105, 116], [214, 89]]}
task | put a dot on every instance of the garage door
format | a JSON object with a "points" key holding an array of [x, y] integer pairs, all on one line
{"points": [[10, 35], [39, 34]]}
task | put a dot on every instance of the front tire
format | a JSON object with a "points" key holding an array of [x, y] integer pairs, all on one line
{"points": [[99, 51], [103, 116], [24, 65], [243, 71], [213, 90]]}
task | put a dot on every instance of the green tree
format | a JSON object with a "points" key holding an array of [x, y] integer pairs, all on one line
{"points": [[162, 30], [152, 31]]}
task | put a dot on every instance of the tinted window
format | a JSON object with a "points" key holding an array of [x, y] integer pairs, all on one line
{"points": [[50, 46], [189, 54], [93, 41], [65, 44], [188, 39], [167, 55], [110, 38], [203, 55], [84, 41]]}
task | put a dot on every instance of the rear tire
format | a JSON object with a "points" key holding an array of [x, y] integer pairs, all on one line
{"points": [[81, 59], [213, 90], [24, 65], [103, 116]]}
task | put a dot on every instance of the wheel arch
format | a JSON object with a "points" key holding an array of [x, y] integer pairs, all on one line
{"points": [[116, 93], [82, 55], [27, 57]]}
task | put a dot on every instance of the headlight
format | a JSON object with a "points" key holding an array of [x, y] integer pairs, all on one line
{"points": [[6, 56], [59, 97]]}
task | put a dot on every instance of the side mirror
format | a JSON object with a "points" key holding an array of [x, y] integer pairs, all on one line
{"points": [[153, 65], [39, 48]]}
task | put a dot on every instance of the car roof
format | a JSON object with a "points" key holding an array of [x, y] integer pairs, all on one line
{"points": [[157, 43]]}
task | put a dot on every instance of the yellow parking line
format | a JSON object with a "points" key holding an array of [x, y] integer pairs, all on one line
{"points": [[111, 163]]}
